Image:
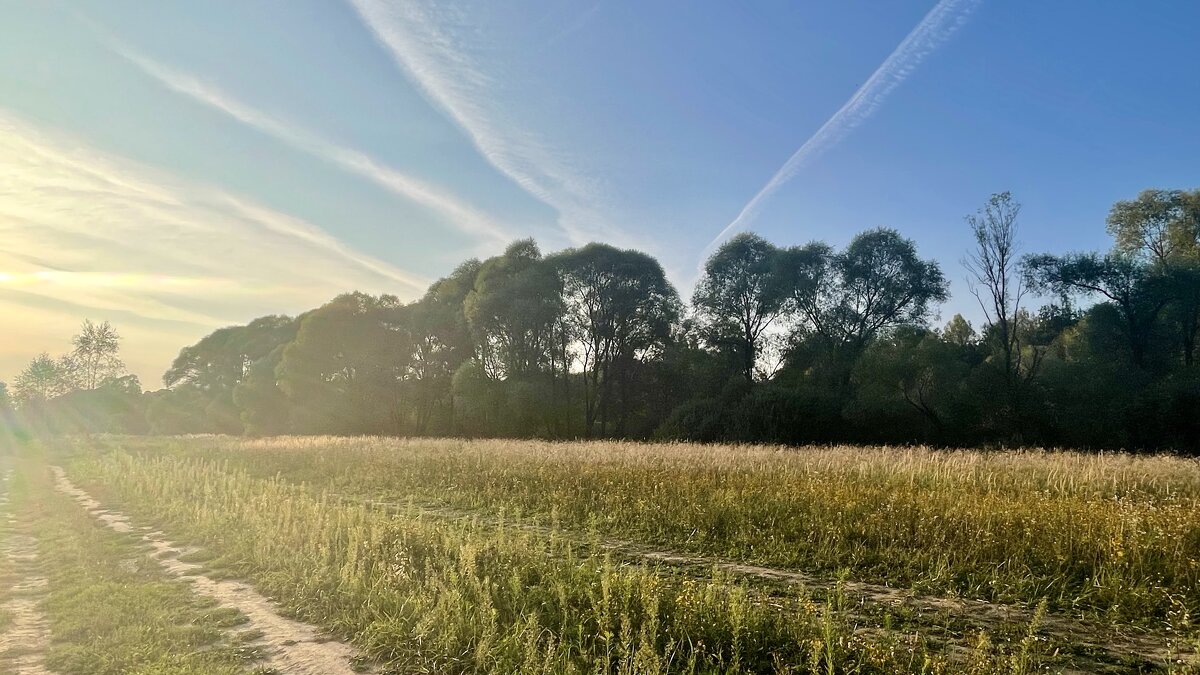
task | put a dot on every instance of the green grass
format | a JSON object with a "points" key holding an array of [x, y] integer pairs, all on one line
{"points": [[1116, 537], [110, 608], [433, 595]]}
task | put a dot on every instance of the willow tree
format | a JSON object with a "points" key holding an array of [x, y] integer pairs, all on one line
{"points": [[442, 343], [621, 308], [343, 372], [1161, 228], [845, 299], [1135, 290], [512, 312], [214, 367], [740, 296]]}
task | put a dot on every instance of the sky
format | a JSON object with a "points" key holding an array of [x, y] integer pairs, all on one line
{"points": [[177, 167]]}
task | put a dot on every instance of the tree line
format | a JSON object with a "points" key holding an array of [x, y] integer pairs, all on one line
{"points": [[804, 344]]}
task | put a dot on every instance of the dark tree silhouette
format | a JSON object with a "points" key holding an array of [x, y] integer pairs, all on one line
{"points": [[742, 293], [594, 341]]}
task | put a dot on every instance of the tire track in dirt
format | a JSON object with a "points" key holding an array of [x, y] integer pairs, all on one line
{"points": [[24, 640], [1089, 637], [290, 647]]}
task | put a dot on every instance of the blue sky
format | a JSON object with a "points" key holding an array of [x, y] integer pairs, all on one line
{"points": [[175, 167]]}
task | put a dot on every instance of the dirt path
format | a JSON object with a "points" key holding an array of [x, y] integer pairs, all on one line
{"points": [[24, 640], [290, 647], [1114, 644]]}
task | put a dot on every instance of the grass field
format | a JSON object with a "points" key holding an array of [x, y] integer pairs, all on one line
{"points": [[85, 600], [504, 556]]}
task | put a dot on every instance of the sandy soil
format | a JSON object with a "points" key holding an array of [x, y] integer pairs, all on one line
{"points": [[23, 643]]}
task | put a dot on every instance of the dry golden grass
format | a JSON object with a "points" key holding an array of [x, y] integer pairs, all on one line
{"points": [[1113, 537], [1117, 534]]}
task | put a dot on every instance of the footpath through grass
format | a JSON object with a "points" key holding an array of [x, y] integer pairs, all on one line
{"points": [[109, 608]]}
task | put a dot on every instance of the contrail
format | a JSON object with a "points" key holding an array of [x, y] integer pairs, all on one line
{"points": [[938, 25]]}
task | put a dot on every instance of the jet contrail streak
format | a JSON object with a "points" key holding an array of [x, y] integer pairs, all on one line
{"points": [[938, 25]]}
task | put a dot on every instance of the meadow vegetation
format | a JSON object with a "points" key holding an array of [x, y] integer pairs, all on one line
{"points": [[108, 608], [755, 475], [1115, 535], [353, 534]]}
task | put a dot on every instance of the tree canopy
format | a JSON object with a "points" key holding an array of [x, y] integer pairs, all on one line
{"points": [[781, 344]]}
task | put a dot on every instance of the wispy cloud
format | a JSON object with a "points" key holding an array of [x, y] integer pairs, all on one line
{"points": [[574, 25], [89, 234], [435, 46], [455, 211], [938, 25]]}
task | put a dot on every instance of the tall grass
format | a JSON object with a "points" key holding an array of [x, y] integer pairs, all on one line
{"points": [[437, 596], [1113, 534], [109, 608]]}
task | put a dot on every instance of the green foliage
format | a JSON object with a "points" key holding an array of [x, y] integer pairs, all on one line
{"points": [[109, 608], [449, 556], [744, 290], [1161, 226], [1132, 288], [262, 404], [914, 371], [426, 595], [341, 374], [217, 366], [43, 379], [828, 345], [94, 357], [622, 310], [878, 282], [513, 311]]}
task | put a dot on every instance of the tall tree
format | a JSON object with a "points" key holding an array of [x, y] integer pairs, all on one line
{"points": [[95, 355], [215, 366], [43, 379], [848, 298], [442, 343], [1136, 291], [343, 371], [995, 279], [512, 311], [959, 332], [263, 408], [741, 294], [220, 360], [622, 308], [1162, 228]]}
